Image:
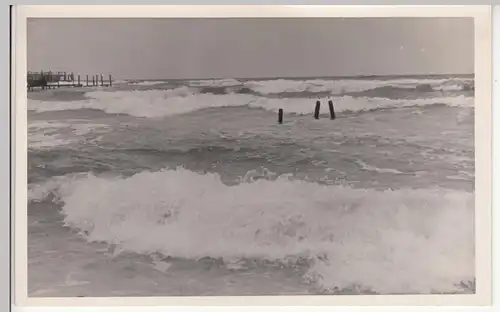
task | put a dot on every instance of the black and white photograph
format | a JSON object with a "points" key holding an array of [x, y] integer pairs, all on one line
{"points": [[175, 157]]}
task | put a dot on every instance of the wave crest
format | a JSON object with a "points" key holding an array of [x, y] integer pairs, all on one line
{"points": [[351, 85], [394, 241], [320, 86], [159, 103]]}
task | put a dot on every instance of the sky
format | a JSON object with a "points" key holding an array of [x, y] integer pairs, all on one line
{"points": [[245, 48]]}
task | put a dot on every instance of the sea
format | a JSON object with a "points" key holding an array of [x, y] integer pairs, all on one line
{"points": [[193, 187]]}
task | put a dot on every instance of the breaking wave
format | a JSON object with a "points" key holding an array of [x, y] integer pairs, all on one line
{"points": [[350, 85], [312, 86], [393, 241], [159, 103]]}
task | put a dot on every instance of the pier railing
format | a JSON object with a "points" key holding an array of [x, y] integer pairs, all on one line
{"points": [[51, 80]]}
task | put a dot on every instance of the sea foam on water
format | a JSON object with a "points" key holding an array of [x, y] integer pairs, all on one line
{"points": [[160, 103], [188, 98], [392, 241]]}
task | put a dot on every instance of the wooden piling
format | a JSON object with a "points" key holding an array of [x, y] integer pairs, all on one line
{"points": [[53, 80], [280, 115], [332, 110], [316, 110]]}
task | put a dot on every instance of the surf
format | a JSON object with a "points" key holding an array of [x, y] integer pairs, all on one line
{"points": [[162, 103], [388, 241]]}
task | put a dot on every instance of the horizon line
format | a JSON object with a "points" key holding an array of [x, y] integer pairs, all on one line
{"points": [[308, 77]]}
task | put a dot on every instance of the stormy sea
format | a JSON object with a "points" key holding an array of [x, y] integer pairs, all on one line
{"points": [[193, 188]]}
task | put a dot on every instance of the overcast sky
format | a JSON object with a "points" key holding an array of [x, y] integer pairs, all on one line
{"points": [[219, 48]]}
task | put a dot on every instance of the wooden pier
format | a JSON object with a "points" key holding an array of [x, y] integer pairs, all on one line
{"points": [[51, 80]]}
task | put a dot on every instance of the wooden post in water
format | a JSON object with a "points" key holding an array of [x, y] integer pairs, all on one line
{"points": [[41, 76], [93, 80], [280, 115], [110, 81], [64, 76], [87, 80], [316, 110], [97, 80], [102, 81], [332, 110], [79, 80]]}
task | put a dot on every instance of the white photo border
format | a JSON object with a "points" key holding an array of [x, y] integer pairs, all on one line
{"points": [[483, 147]]}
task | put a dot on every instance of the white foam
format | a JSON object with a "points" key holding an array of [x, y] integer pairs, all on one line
{"points": [[43, 134], [453, 87], [229, 82], [339, 86], [158, 103], [146, 83], [43, 125], [356, 104], [139, 95], [394, 241], [46, 134], [42, 141], [367, 167], [60, 185]]}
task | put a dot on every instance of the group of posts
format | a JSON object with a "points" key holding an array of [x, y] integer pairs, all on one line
{"points": [[51, 80], [316, 111], [95, 81]]}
